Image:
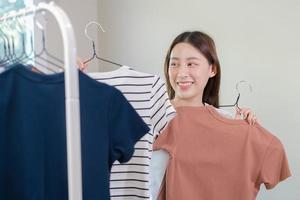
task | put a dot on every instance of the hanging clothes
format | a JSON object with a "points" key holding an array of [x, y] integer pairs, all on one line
{"points": [[160, 159], [33, 135], [147, 94], [213, 157]]}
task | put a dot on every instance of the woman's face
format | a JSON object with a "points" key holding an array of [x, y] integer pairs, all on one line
{"points": [[189, 72]]}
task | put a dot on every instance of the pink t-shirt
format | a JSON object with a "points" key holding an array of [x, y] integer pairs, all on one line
{"points": [[213, 158]]}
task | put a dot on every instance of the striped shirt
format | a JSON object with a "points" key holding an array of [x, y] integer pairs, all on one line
{"points": [[147, 94]]}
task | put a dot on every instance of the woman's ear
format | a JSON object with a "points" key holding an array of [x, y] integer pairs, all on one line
{"points": [[213, 71]]}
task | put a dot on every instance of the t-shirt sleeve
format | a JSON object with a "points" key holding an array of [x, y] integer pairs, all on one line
{"points": [[166, 140], [275, 166], [125, 126], [161, 109]]}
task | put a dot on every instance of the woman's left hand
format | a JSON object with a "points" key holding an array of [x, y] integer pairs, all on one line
{"points": [[247, 114]]}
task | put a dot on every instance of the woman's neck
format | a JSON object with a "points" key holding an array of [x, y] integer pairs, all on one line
{"points": [[179, 102]]}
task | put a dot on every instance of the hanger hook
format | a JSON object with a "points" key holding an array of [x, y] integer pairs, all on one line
{"points": [[239, 83], [34, 16], [38, 23], [86, 28], [41, 28]]}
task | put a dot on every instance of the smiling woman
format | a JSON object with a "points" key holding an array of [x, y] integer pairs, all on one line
{"points": [[192, 70], [203, 148]]}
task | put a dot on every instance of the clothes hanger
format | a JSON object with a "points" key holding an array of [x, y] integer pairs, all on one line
{"points": [[4, 54], [8, 36], [15, 36], [7, 52], [37, 58], [4, 58], [93, 45], [13, 30], [236, 104], [11, 34], [30, 59], [44, 55], [32, 62], [7, 39], [24, 58], [20, 26], [27, 56]]}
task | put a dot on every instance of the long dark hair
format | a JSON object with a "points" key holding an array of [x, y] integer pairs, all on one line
{"points": [[207, 48]]}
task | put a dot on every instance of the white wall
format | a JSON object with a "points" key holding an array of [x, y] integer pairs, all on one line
{"points": [[257, 41]]}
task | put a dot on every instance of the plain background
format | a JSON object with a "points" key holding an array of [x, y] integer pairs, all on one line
{"points": [[257, 41]]}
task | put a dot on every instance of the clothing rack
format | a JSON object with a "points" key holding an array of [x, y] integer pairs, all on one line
{"points": [[71, 92]]}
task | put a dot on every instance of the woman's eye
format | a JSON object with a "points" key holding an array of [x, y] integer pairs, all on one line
{"points": [[192, 64], [173, 64]]}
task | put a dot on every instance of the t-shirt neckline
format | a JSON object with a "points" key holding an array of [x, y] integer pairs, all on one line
{"points": [[110, 73], [37, 77], [212, 111]]}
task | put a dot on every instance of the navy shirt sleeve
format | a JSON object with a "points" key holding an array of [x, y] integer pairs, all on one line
{"points": [[126, 127]]}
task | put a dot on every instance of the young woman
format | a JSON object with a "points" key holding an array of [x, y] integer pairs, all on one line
{"points": [[193, 73], [199, 159]]}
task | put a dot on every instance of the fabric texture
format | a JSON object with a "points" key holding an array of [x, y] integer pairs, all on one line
{"points": [[213, 157], [160, 159]]}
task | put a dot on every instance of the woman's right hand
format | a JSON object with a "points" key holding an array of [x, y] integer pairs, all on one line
{"points": [[80, 63]]}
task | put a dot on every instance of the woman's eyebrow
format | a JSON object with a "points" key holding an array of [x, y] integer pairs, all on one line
{"points": [[193, 58]]}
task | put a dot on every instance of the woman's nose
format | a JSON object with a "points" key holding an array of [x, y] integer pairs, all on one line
{"points": [[183, 70]]}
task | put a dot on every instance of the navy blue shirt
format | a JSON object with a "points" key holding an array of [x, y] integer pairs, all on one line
{"points": [[33, 160]]}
